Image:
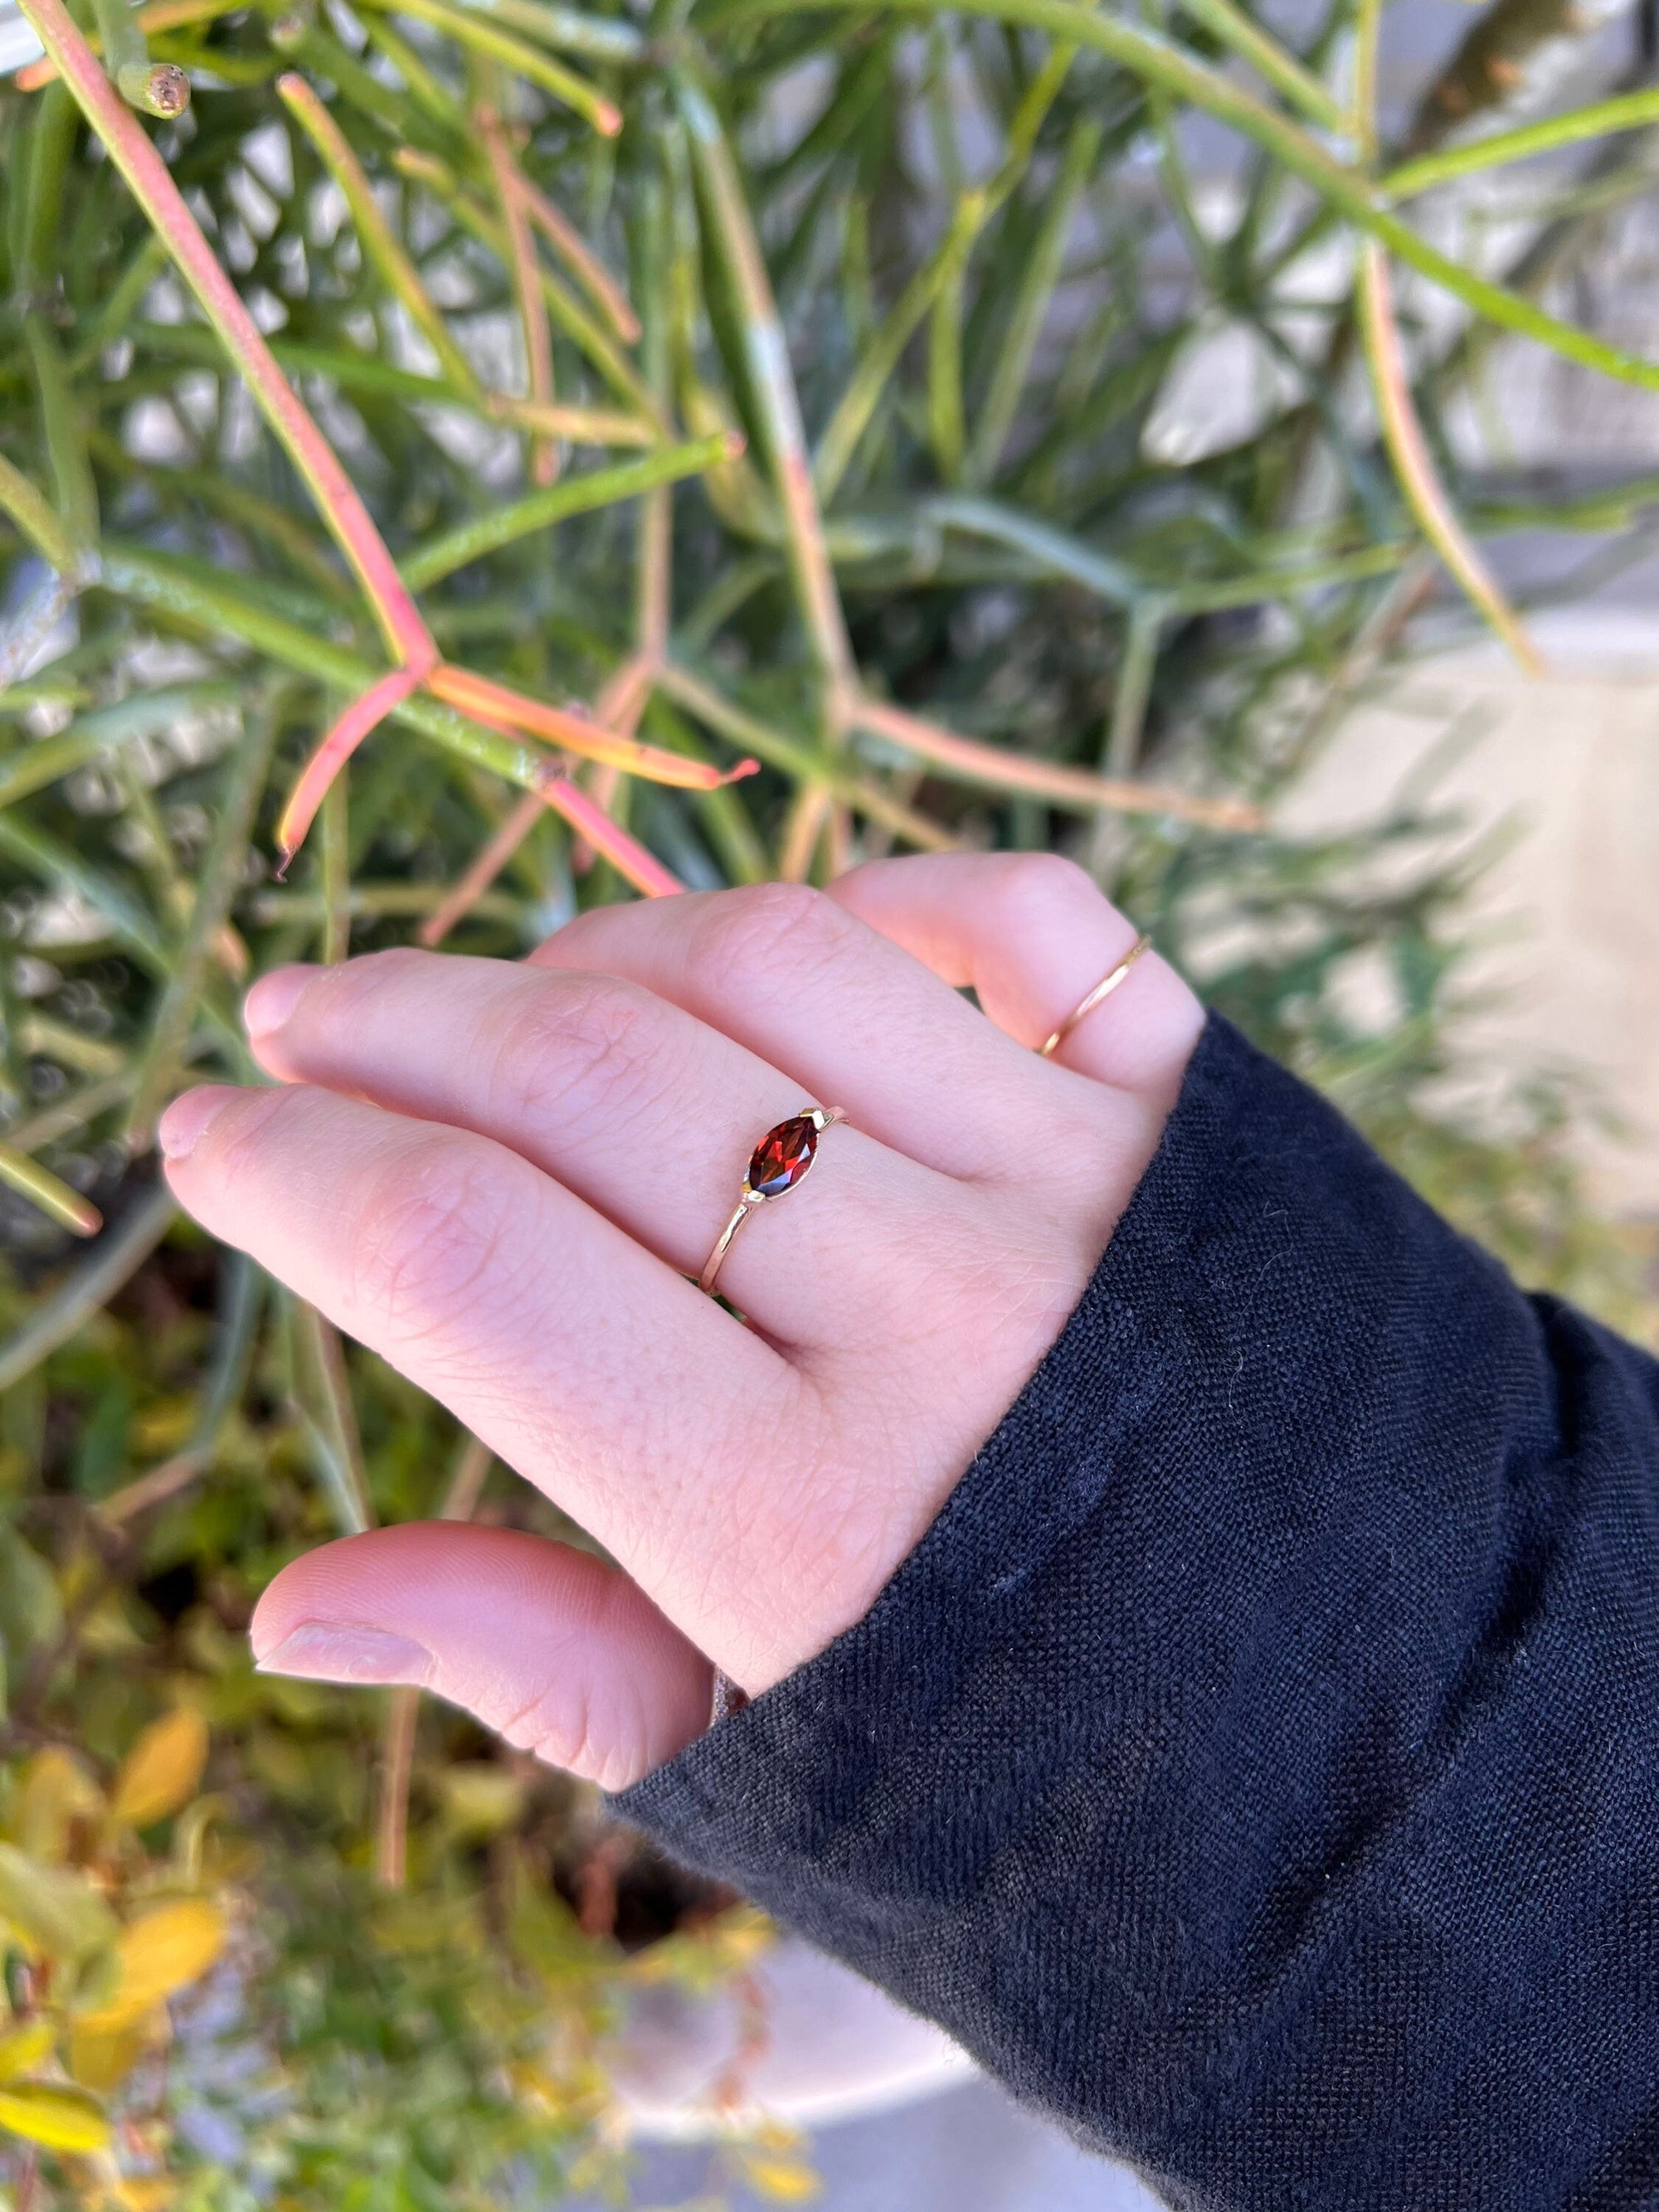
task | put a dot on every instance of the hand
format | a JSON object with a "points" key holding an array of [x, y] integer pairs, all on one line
{"points": [[500, 1177]]}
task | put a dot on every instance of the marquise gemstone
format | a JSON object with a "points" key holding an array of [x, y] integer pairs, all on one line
{"points": [[782, 1157]]}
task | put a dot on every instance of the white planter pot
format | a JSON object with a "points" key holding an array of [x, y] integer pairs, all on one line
{"points": [[830, 2048]]}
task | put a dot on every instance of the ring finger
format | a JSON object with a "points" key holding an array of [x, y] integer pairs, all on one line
{"points": [[638, 1108]]}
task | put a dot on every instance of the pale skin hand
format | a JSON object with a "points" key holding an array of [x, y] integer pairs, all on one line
{"points": [[499, 1177]]}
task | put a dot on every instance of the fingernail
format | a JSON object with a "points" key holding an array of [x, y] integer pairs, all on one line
{"points": [[324, 1651], [186, 1121], [273, 998]]}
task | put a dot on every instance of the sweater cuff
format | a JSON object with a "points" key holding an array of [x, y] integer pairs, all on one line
{"points": [[760, 1797]]}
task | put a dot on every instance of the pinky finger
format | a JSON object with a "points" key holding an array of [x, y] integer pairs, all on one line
{"points": [[556, 1652], [1032, 934]]}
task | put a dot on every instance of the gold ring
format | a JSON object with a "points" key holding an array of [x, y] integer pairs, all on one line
{"points": [[1103, 989], [777, 1164]]}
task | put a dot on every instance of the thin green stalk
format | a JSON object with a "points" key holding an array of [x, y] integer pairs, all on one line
{"points": [[1628, 111], [1418, 479], [1232, 29], [71, 1047], [578, 325], [1030, 305], [48, 856], [522, 518], [218, 883], [424, 88], [766, 354], [874, 371], [72, 1112], [1348, 190], [54, 1197], [1056, 552], [116, 1259], [380, 243], [157, 88], [602, 39], [322, 1400], [970, 212], [121, 308], [705, 704], [50, 149], [334, 869], [1120, 755], [66, 449], [32, 514], [48, 760], [471, 28], [946, 431]]}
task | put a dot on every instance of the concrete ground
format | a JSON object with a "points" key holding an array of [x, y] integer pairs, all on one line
{"points": [[966, 2149]]}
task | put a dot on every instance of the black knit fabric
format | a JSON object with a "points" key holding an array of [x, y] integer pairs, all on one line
{"points": [[1257, 1764]]}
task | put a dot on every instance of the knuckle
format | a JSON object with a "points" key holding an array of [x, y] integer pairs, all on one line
{"points": [[768, 928], [581, 1044], [429, 1227], [1043, 883]]}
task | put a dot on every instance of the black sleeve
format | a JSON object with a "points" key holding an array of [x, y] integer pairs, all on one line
{"points": [[1257, 1764]]}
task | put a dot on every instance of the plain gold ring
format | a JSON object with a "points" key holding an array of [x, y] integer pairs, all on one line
{"points": [[777, 1164], [1103, 989]]}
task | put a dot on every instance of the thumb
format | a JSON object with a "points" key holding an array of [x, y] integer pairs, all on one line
{"points": [[554, 1650]]}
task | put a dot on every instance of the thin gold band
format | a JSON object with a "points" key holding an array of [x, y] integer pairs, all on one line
{"points": [[751, 1200], [1103, 989]]}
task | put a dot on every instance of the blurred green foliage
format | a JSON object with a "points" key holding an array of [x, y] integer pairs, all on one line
{"points": [[348, 1952]]}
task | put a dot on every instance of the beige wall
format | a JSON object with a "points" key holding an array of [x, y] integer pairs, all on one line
{"points": [[1569, 917]]}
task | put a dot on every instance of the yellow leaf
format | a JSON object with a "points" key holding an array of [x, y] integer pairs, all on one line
{"points": [[171, 1946], [61, 2119], [782, 2181], [101, 2058], [57, 1791], [152, 2193], [162, 1769], [21, 2051]]}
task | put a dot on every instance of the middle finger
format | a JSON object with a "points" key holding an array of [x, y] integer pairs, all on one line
{"points": [[635, 1105]]}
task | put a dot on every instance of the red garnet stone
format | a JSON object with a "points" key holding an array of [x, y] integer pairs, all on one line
{"points": [[782, 1157]]}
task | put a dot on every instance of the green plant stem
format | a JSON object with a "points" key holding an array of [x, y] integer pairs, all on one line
{"points": [[1030, 305], [1232, 29], [473, 28], [1628, 112], [522, 518], [113, 1263], [379, 242], [218, 882], [1349, 191], [334, 866], [54, 1197], [766, 354]]}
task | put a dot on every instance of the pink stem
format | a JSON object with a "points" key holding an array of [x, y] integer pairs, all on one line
{"points": [[526, 285], [468, 888], [151, 185], [364, 714], [976, 763], [565, 240], [626, 855]]}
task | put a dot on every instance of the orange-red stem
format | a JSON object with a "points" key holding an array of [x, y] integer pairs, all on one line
{"points": [[626, 855], [365, 713], [151, 185], [502, 708]]}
